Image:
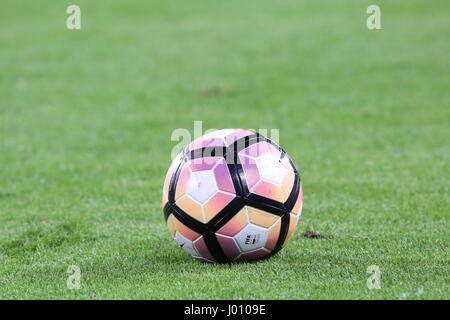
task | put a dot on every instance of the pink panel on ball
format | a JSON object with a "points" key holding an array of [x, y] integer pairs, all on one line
{"points": [[174, 165], [257, 149], [201, 247], [236, 135], [287, 184], [300, 193], [219, 138], [251, 171], [164, 199], [165, 192], [274, 233], [268, 190], [229, 246], [286, 163], [223, 178], [201, 142], [236, 224], [252, 255], [274, 151], [298, 203], [214, 205], [292, 225], [185, 231], [200, 164], [182, 183]]}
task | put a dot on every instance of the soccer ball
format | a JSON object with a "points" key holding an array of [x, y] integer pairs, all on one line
{"points": [[232, 195]]}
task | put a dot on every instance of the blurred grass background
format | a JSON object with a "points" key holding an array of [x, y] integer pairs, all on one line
{"points": [[86, 117]]}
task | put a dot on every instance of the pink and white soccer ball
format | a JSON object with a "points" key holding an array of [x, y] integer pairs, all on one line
{"points": [[232, 195]]}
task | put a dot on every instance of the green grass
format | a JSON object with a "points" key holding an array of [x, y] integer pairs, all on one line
{"points": [[86, 118]]}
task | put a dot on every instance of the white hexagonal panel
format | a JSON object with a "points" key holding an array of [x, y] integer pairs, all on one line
{"points": [[251, 237], [186, 244], [202, 185], [270, 169]]}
